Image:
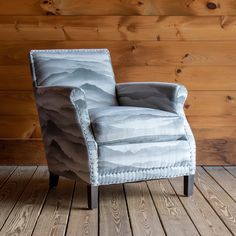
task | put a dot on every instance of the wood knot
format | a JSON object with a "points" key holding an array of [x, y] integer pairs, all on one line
{"points": [[229, 98], [186, 106], [178, 71], [211, 5], [131, 28], [45, 2], [140, 3], [133, 47]]}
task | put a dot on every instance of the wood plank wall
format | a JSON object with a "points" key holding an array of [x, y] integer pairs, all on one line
{"points": [[185, 41]]}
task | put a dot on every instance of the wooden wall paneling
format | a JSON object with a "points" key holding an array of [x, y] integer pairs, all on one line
{"points": [[22, 152], [117, 7], [199, 103], [130, 53], [19, 127], [118, 28], [194, 78]]}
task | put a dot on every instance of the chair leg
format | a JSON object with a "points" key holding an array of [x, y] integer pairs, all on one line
{"points": [[53, 180], [188, 185], [92, 193]]}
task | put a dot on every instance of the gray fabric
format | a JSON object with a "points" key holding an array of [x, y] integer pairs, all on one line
{"points": [[164, 96], [143, 157], [123, 124], [89, 135], [89, 70], [69, 143]]}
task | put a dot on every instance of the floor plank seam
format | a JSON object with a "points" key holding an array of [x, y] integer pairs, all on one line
{"points": [[184, 207], [127, 209], [219, 185], [5, 180], [71, 201], [18, 197], [156, 209], [214, 210], [229, 172]]}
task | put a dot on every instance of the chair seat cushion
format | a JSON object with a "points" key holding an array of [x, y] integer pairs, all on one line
{"points": [[123, 124], [141, 157]]}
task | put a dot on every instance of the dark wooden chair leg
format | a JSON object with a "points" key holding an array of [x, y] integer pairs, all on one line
{"points": [[188, 185], [53, 180], [92, 192]]}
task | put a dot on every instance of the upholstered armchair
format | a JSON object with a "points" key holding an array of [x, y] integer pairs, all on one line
{"points": [[106, 133]]}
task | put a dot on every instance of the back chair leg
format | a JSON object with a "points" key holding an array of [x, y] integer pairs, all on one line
{"points": [[188, 185], [53, 180], [92, 193]]}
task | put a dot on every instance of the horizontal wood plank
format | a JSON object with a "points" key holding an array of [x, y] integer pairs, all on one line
{"points": [[117, 7], [19, 127], [216, 152], [130, 53], [22, 152], [199, 103], [218, 77], [117, 28]]}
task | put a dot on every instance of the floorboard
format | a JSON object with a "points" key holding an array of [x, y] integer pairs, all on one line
{"points": [[220, 201], [173, 216], [157, 207], [200, 211]]}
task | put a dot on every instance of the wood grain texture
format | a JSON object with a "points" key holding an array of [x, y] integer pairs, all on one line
{"points": [[22, 152], [203, 216], [19, 127], [31, 151], [117, 28], [117, 7], [216, 151], [221, 202], [5, 172], [204, 127], [24, 103], [113, 211], [231, 170], [22, 219], [194, 78], [173, 216], [144, 218], [82, 221], [12, 190], [54, 215], [130, 53], [220, 78], [224, 179]]}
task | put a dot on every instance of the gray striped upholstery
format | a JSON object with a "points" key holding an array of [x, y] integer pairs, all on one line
{"points": [[105, 132], [124, 124]]}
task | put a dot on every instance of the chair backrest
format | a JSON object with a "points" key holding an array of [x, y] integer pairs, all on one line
{"points": [[88, 69]]}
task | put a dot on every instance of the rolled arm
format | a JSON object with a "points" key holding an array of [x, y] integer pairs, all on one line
{"points": [[164, 96], [69, 142]]}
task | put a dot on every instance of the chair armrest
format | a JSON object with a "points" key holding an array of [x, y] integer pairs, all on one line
{"points": [[65, 121], [164, 96]]}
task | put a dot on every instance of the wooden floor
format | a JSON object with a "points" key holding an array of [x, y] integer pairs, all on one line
{"points": [[155, 208]]}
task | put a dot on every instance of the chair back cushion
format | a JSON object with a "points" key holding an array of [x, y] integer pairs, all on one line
{"points": [[88, 69]]}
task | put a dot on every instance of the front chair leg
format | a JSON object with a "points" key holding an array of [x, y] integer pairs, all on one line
{"points": [[92, 192], [53, 180], [188, 185]]}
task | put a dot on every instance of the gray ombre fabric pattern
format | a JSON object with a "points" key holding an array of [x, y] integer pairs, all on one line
{"points": [[103, 132]]}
